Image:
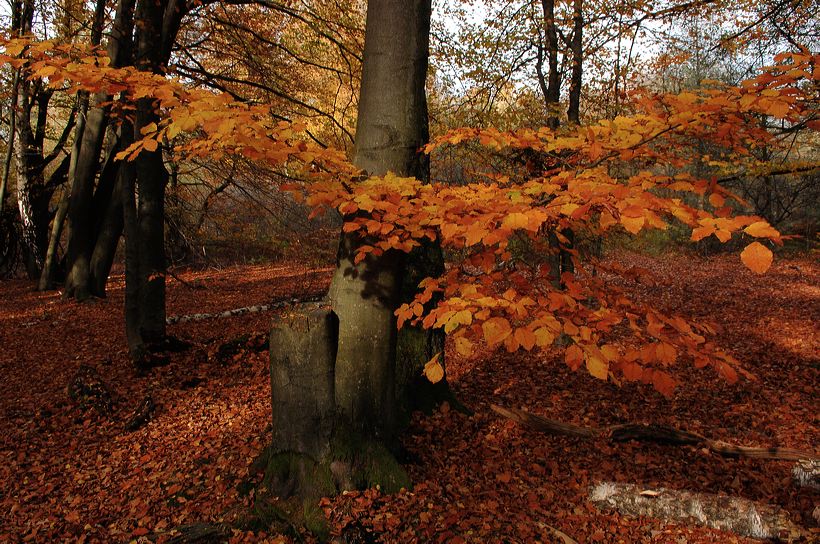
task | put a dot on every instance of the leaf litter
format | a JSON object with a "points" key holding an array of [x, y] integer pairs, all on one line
{"points": [[69, 473]]}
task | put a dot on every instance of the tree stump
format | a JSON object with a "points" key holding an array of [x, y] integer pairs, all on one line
{"points": [[315, 451], [302, 357]]}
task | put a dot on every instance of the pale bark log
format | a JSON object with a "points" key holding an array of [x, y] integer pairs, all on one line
{"points": [[732, 514]]}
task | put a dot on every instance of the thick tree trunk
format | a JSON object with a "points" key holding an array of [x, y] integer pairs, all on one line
{"points": [[391, 128], [348, 353]]}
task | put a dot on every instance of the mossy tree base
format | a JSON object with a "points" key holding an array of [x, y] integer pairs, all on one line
{"points": [[287, 498], [315, 451]]}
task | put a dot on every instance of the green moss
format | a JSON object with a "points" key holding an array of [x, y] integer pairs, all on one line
{"points": [[313, 519], [369, 462], [289, 473]]}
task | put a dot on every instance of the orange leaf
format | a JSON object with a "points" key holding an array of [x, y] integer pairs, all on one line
{"points": [[757, 257], [516, 220], [666, 353], [433, 369], [526, 338], [574, 357], [716, 200], [597, 367], [633, 224], [761, 229], [496, 330], [464, 346], [663, 383]]}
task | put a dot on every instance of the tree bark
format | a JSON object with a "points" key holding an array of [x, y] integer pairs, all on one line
{"points": [[391, 128], [552, 89], [80, 283], [734, 514], [577, 50], [344, 359]]}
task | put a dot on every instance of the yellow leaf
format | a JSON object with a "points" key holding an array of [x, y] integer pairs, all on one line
{"points": [[464, 317], [433, 369], [757, 257], [543, 337], [761, 229], [464, 346], [496, 330], [516, 220], [150, 145], [597, 367], [149, 128]]}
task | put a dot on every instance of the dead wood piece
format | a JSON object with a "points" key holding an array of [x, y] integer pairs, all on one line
{"points": [[565, 538], [276, 305], [199, 533], [733, 514], [141, 415], [807, 473], [88, 389], [545, 425], [649, 433]]}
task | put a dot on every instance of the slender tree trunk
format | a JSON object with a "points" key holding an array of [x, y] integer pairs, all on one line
{"points": [[80, 283], [553, 88], [127, 184], [47, 276], [30, 182], [574, 111], [4, 182]]}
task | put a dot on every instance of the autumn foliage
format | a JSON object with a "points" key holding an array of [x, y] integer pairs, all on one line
{"points": [[593, 180]]}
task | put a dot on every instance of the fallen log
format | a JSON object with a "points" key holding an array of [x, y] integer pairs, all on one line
{"points": [[275, 305], [659, 434], [733, 514]]}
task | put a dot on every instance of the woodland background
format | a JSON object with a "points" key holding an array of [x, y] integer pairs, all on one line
{"points": [[584, 156]]}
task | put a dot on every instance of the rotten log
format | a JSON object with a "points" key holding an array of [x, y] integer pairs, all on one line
{"points": [[732, 514], [659, 434], [277, 305]]}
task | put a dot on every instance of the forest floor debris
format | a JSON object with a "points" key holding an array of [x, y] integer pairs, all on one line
{"points": [[69, 474]]}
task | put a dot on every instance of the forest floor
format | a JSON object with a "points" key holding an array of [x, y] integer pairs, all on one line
{"points": [[68, 474]]}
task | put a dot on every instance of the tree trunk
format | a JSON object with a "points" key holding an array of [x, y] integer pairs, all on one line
{"points": [[576, 46], [348, 353], [80, 282], [109, 220], [552, 90], [391, 128]]}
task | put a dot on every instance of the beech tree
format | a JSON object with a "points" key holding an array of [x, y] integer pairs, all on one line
{"points": [[593, 178]]}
